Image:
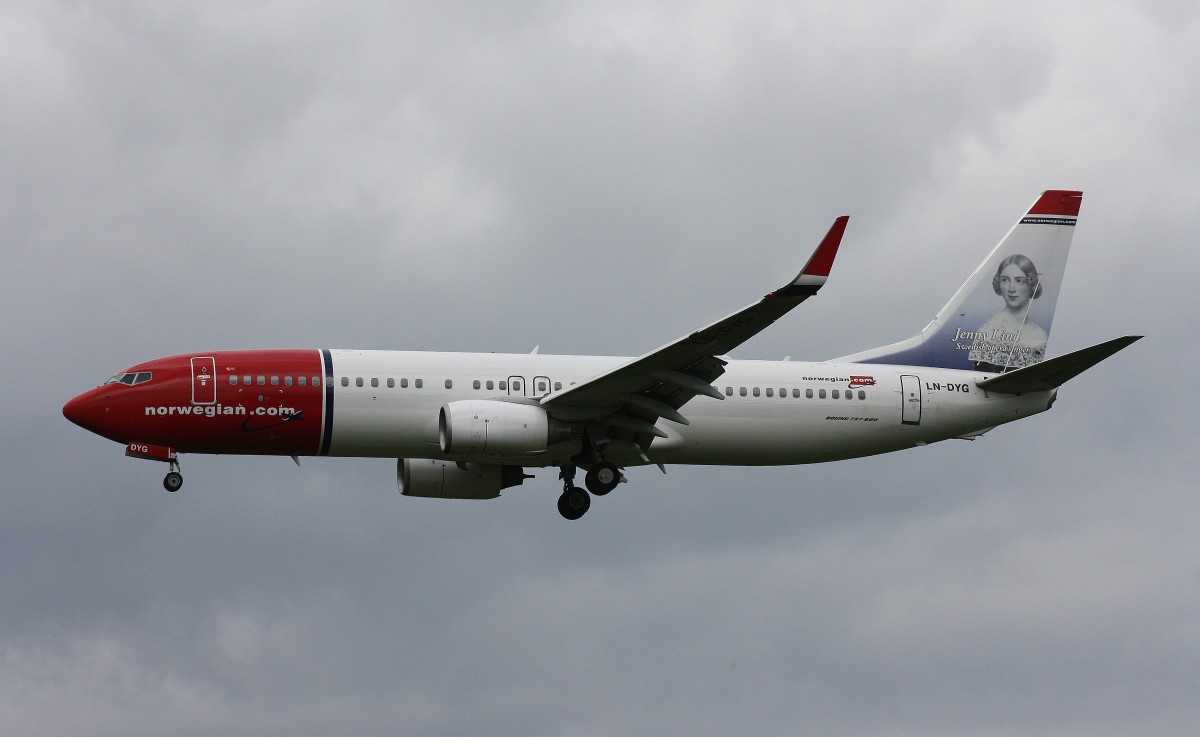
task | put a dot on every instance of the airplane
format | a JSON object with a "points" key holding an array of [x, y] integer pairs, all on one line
{"points": [[469, 425]]}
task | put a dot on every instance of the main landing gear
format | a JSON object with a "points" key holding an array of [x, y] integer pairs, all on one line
{"points": [[574, 502], [600, 479]]}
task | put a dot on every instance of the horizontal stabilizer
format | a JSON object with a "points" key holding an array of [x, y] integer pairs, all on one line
{"points": [[1054, 372]]}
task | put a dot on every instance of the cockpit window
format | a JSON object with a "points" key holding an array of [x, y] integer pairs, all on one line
{"points": [[131, 377]]}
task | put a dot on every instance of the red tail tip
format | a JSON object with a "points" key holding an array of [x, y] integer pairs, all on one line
{"points": [[1058, 202]]}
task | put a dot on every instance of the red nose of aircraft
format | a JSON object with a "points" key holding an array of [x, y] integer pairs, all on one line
{"points": [[87, 410]]}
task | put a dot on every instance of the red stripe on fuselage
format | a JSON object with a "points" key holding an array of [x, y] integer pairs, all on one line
{"points": [[276, 417]]}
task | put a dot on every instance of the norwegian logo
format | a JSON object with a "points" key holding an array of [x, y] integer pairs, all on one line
{"points": [[856, 381]]}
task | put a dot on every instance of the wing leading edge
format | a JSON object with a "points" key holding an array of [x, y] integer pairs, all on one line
{"points": [[628, 400]]}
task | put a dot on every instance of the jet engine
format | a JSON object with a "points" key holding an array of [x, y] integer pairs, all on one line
{"points": [[446, 480], [491, 428]]}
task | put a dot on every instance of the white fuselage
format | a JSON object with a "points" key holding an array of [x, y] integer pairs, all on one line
{"points": [[774, 412]]}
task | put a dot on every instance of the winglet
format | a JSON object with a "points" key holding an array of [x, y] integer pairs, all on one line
{"points": [[816, 271]]}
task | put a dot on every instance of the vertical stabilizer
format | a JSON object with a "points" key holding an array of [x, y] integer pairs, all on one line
{"points": [[999, 320]]}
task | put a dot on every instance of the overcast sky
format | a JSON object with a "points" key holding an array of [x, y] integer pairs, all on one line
{"points": [[595, 178]]}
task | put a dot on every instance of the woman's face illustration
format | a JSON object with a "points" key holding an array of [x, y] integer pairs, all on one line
{"points": [[1014, 287]]}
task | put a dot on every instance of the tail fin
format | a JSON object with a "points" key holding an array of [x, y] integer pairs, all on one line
{"points": [[999, 320]]}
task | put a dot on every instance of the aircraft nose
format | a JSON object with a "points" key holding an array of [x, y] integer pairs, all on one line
{"points": [[84, 411]]}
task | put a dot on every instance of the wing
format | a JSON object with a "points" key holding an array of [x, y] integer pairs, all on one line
{"points": [[628, 400]]}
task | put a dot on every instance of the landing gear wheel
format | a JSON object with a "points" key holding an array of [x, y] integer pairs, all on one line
{"points": [[574, 503], [173, 481], [602, 478]]}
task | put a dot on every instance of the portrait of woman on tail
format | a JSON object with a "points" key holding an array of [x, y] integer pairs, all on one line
{"points": [[1009, 339]]}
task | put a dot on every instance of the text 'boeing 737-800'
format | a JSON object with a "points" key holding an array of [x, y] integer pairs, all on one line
{"points": [[468, 425]]}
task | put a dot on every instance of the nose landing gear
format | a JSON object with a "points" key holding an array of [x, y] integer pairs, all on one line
{"points": [[174, 479]]}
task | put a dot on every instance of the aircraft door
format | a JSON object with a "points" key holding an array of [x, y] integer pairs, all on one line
{"points": [[541, 386], [910, 398], [204, 380], [516, 386]]}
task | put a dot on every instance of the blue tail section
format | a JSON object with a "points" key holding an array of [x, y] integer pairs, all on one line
{"points": [[999, 320]]}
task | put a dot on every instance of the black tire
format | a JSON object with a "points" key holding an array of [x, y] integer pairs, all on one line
{"points": [[602, 478], [574, 503], [172, 481]]}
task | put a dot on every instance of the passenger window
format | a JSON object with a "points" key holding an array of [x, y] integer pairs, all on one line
{"points": [[418, 383], [287, 381], [475, 384], [261, 380], [729, 391], [246, 379], [782, 393], [541, 387], [835, 394], [233, 379], [821, 394], [449, 383], [345, 381], [316, 381], [274, 381], [862, 394], [404, 383], [503, 386], [741, 391], [375, 382], [808, 393], [391, 383], [302, 381], [755, 390], [770, 391], [849, 394], [516, 386], [490, 385], [358, 381], [795, 394], [557, 385]]}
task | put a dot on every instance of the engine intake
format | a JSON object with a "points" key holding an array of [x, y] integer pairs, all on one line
{"points": [[491, 428]]}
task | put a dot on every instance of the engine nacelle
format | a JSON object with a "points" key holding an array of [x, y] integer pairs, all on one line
{"points": [[446, 480], [490, 428]]}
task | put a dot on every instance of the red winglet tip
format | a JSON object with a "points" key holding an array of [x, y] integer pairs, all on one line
{"points": [[1061, 202], [821, 262]]}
